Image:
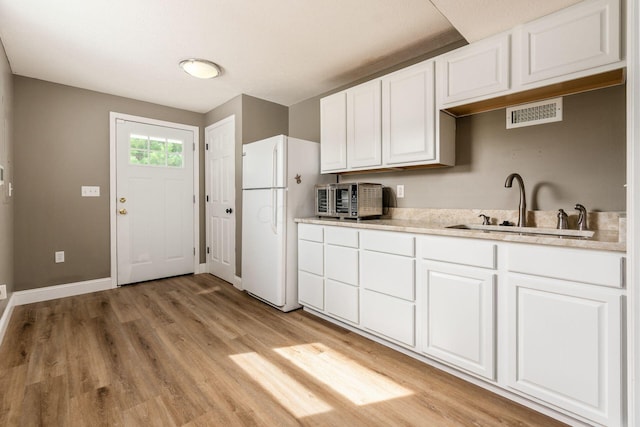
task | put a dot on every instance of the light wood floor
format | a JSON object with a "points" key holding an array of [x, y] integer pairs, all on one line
{"points": [[194, 351]]}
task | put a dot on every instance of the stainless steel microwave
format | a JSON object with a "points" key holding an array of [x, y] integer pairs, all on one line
{"points": [[351, 200]]}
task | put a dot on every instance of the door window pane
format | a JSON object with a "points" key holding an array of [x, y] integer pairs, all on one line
{"points": [[155, 151]]}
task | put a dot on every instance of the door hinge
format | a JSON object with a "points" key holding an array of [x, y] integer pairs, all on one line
{"points": [[194, 251], [194, 198], [207, 197], [208, 250], [206, 146], [194, 146]]}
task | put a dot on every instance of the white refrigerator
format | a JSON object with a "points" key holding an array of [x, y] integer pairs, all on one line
{"points": [[278, 179]]}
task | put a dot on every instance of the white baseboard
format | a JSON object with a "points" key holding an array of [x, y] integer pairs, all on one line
{"points": [[202, 268], [6, 316], [237, 283], [61, 291]]}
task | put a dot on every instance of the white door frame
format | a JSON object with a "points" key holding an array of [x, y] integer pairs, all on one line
{"points": [[113, 117]]}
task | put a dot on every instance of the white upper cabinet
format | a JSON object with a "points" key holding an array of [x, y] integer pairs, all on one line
{"points": [[363, 126], [408, 115], [333, 133], [474, 71], [577, 38], [583, 40], [387, 122]]}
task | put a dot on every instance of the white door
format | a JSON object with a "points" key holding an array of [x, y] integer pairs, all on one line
{"points": [[221, 198], [155, 201]]}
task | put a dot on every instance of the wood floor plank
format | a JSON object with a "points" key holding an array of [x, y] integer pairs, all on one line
{"points": [[12, 388], [194, 351]]}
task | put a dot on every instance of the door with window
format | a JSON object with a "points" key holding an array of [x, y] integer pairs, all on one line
{"points": [[155, 201]]}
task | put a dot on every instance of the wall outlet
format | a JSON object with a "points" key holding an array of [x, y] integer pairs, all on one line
{"points": [[90, 191], [400, 191], [59, 257], [3, 291]]}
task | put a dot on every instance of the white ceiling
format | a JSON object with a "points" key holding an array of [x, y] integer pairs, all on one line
{"points": [[283, 51]]}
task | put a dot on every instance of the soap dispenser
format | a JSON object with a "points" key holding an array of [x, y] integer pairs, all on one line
{"points": [[562, 220]]}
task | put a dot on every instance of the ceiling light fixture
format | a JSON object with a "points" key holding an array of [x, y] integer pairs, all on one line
{"points": [[200, 68]]}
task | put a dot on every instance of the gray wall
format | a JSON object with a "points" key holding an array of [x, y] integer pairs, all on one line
{"points": [[255, 119], [62, 143], [581, 159], [6, 160]]}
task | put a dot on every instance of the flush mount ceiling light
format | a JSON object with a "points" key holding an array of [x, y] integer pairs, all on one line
{"points": [[200, 68]]}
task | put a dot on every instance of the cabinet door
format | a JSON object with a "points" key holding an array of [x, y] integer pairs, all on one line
{"points": [[475, 71], [564, 345], [333, 133], [364, 142], [457, 316], [577, 38], [408, 115]]}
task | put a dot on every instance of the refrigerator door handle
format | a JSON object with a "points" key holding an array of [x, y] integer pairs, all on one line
{"points": [[275, 166], [274, 211]]}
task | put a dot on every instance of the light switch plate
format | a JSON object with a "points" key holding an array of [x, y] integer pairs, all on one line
{"points": [[59, 257], [400, 191], [90, 191]]}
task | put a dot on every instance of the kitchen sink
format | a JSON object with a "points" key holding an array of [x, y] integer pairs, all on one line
{"points": [[524, 230]]}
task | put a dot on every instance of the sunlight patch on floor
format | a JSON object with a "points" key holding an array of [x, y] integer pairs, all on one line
{"points": [[355, 382], [296, 398]]}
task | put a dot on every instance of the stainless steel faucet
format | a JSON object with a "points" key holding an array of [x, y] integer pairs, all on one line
{"points": [[522, 207], [582, 217]]}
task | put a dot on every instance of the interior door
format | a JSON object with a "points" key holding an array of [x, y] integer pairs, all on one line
{"points": [[220, 199], [155, 201]]}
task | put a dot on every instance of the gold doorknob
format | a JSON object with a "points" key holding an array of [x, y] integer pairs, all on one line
{"points": [[122, 211], [122, 200]]}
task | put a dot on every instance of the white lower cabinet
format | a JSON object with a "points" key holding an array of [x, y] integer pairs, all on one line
{"points": [[558, 311], [457, 316], [564, 345]]}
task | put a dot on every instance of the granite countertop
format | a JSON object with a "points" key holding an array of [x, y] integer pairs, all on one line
{"points": [[435, 222]]}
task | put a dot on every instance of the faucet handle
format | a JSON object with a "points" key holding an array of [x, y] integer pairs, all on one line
{"points": [[562, 220], [582, 216], [486, 220]]}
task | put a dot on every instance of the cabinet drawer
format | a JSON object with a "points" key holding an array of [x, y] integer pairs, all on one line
{"points": [[310, 232], [311, 290], [342, 301], [389, 316], [341, 264], [459, 251], [341, 236], [389, 274], [578, 265], [311, 257], [391, 243]]}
